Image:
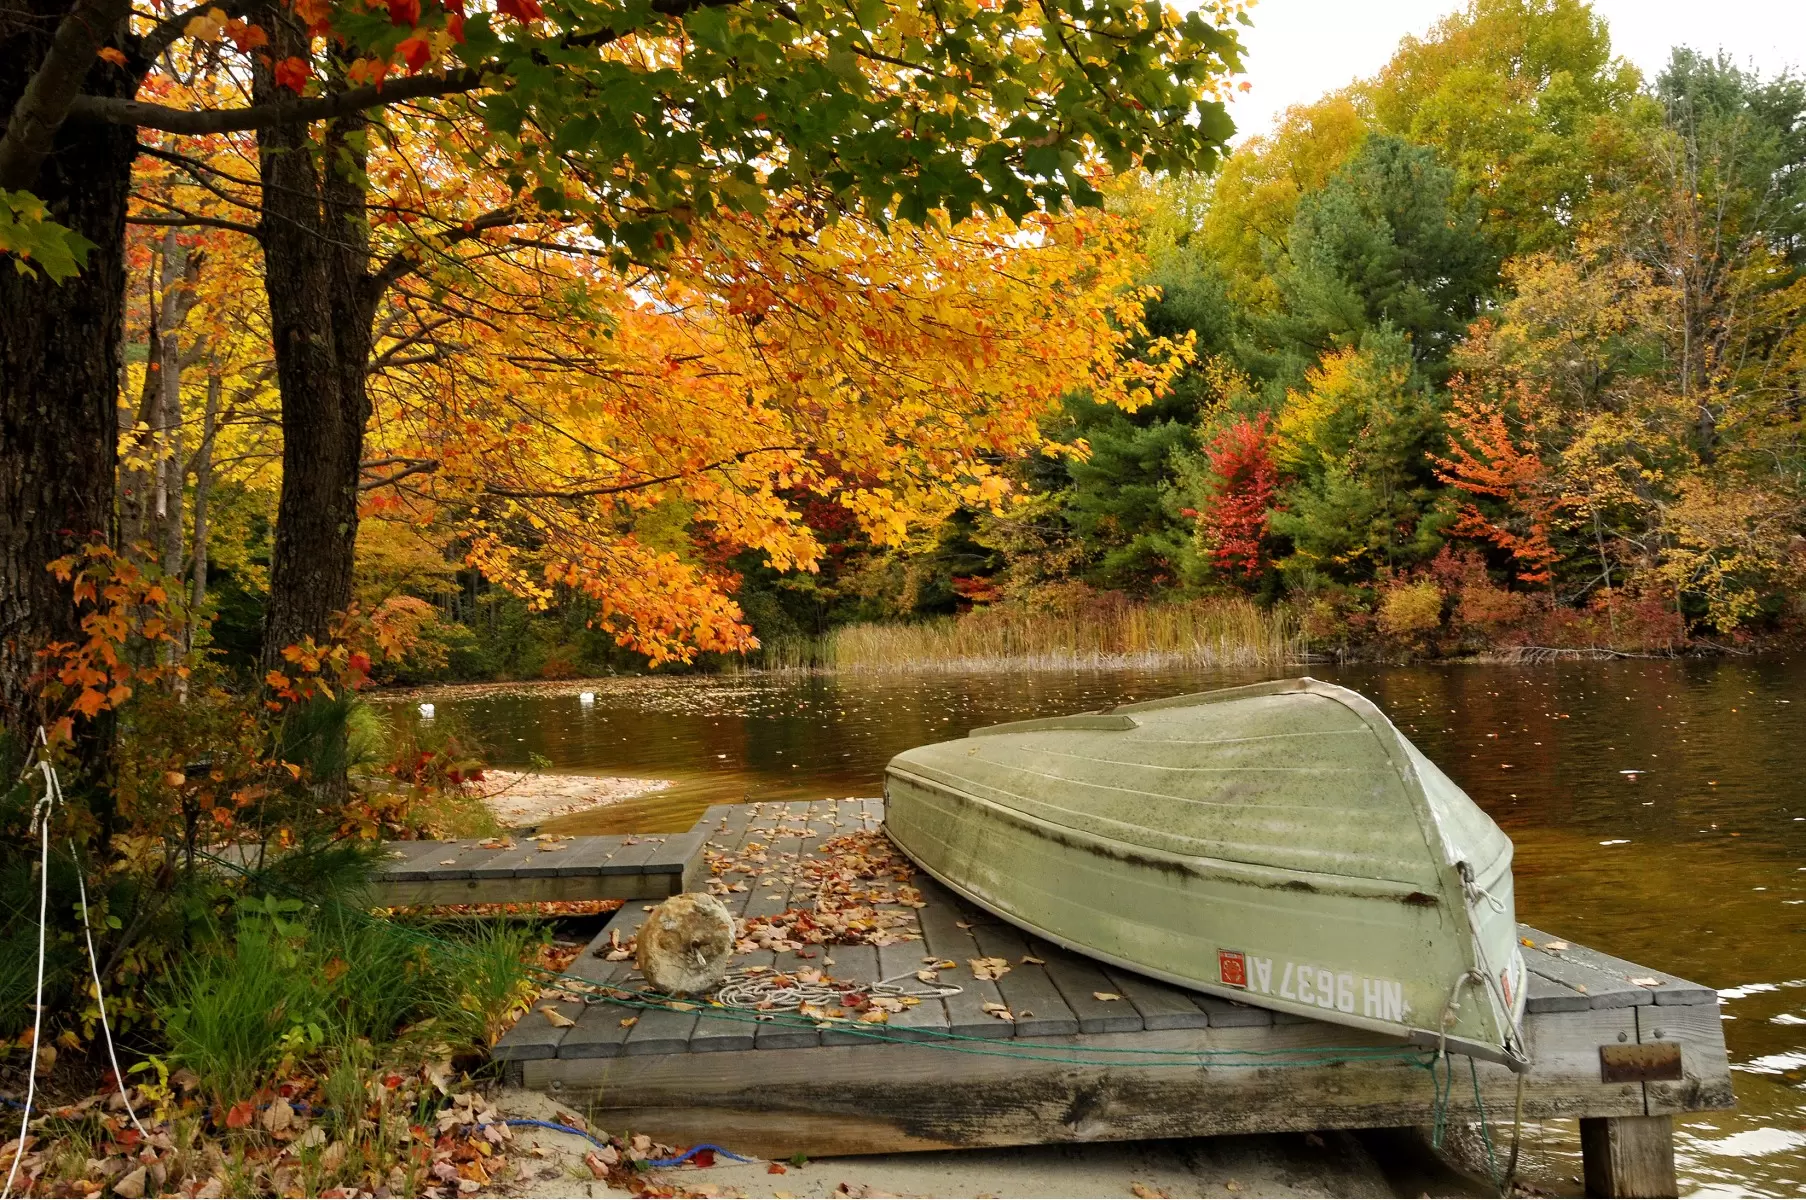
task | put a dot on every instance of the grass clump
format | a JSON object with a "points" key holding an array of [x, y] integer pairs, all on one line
{"points": [[1099, 630], [334, 993]]}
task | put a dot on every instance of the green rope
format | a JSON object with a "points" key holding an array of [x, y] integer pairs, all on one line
{"points": [[1492, 1162]]}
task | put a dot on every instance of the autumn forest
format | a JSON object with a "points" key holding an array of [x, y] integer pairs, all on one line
{"points": [[1498, 349], [347, 343]]}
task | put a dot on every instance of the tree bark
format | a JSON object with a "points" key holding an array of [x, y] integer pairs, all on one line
{"points": [[203, 499], [316, 249], [59, 370]]}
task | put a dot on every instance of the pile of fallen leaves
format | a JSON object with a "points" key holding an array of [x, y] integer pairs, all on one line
{"points": [[407, 1134], [857, 887]]}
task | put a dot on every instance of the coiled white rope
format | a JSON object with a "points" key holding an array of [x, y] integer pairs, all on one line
{"points": [[772, 991]]}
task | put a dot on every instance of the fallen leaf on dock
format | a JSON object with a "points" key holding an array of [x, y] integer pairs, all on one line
{"points": [[629, 1022], [557, 1019], [1029, 958], [1149, 1192], [989, 968], [446, 862], [927, 976], [873, 1016], [1647, 981], [939, 964], [1001, 1012], [1105, 996], [1527, 942], [1555, 945]]}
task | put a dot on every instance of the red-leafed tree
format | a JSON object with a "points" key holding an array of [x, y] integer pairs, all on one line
{"points": [[1233, 520], [1486, 461]]}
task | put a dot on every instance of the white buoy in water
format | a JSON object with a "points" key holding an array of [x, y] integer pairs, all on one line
{"points": [[586, 697], [426, 710]]}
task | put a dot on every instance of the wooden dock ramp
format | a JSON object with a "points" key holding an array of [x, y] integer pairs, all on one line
{"points": [[532, 870], [1087, 1052]]}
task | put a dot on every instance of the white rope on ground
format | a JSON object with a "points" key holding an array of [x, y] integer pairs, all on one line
{"points": [[40, 822], [100, 998], [772, 991]]}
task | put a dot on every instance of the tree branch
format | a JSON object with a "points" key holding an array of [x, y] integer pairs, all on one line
{"points": [[418, 466], [408, 259], [615, 489], [185, 221], [338, 104], [53, 91]]}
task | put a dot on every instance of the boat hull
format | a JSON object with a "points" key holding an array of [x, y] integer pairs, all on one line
{"points": [[1378, 954]]}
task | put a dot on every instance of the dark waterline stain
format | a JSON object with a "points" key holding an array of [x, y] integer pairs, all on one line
{"points": [[1657, 809]]}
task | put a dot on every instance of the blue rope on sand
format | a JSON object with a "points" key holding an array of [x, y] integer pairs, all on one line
{"points": [[679, 1160], [697, 1149]]}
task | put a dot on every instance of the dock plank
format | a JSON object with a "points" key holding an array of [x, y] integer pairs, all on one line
{"points": [[630, 858], [717, 1033], [1228, 1014], [944, 938], [1547, 995], [1161, 1006], [599, 1032], [660, 1031], [411, 860], [789, 1032], [1669, 989], [927, 1019], [505, 864], [1705, 1081], [1039, 1008], [857, 967], [1600, 989], [1080, 981], [589, 854], [454, 863]]}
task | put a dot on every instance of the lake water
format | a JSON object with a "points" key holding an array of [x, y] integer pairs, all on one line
{"points": [[1694, 864]]}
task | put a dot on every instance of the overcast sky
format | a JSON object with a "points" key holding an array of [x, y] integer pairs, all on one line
{"points": [[1300, 49]]}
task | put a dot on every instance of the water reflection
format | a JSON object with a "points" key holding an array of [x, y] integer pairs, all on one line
{"points": [[1656, 807]]}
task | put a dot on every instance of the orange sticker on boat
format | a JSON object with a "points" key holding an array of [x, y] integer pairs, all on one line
{"points": [[1232, 968]]}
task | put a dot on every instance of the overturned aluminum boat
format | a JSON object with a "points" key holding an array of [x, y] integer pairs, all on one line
{"points": [[1280, 844]]}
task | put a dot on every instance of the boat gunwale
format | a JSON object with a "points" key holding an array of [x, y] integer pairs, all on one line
{"points": [[1261, 875]]}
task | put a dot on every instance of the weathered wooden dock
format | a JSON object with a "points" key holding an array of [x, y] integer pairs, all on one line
{"points": [[530, 870], [1620, 1046]]}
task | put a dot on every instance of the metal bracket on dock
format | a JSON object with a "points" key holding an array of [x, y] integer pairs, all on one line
{"points": [[1645, 1062]]}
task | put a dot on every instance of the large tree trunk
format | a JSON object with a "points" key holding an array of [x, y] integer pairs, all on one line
{"points": [[316, 249], [59, 375]]}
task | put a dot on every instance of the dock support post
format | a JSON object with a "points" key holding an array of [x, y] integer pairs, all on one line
{"points": [[1628, 1156]]}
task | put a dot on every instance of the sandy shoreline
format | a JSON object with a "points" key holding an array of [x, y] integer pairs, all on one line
{"points": [[520, 799]]}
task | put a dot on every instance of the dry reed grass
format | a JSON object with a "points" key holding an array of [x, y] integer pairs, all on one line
{"points": [[1211, 632]]}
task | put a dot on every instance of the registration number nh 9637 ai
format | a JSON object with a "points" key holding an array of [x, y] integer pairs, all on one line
{"points": [[1307, 983]]}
